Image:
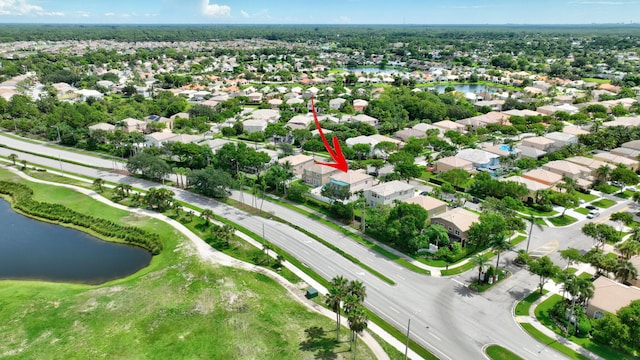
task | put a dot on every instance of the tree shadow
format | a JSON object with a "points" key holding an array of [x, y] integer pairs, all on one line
{"points": [[463, 291], [518, 294], [322, 343]]}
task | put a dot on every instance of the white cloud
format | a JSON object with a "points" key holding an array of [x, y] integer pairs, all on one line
{"points": [[344, 19], [215, 10], [245, 14], [19, 7], [109, 14]]}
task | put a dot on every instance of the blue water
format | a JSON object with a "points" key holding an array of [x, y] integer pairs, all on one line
{"points": [[506, 148], [36, 250]]}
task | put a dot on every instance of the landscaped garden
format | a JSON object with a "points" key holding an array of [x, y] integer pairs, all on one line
{"points": [[604, 203]]}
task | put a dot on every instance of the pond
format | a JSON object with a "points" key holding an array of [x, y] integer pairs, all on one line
{"points": [[468, 88], [36, 250]]}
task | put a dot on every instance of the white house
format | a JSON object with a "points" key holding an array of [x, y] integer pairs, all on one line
{"points": [[387, 193], [251, 126]]}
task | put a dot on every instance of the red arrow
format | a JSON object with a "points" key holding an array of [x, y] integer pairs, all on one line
{"points": [[337, 155]]}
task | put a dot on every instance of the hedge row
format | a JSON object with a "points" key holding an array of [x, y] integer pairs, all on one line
{"points": [[23, 201]]}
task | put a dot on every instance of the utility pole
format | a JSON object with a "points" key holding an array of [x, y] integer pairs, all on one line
{"points": [[60, 161], [406, 346], [362, 217]]}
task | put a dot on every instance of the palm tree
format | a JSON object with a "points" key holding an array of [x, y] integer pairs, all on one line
{"points": [[98, 184], [499, 243], [568, 184], [625, 271], [13, 157], [336, 295], [24, 164], [207, 215], [357, 289], [127, 188], [358, 322], [603, 172], [119, 190], [481, 261], [628, 248]]}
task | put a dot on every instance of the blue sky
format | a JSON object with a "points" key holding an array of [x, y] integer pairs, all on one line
{"points": [[320, 12]]}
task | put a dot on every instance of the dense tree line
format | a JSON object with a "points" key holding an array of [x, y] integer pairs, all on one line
{"points": [[23, 201]]}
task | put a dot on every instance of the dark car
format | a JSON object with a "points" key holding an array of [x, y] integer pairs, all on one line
{"points": [[374, 173], [475, 200], [591, 207]]}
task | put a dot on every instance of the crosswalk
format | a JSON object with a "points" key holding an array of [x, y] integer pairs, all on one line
{"points": [[545, 249]]}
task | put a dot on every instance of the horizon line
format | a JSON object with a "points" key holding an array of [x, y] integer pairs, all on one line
{"points": [[326, 24]]}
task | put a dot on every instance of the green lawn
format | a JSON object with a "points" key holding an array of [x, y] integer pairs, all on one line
{"points": [[518, 239], [562, 220], [582, 210], [534, 212], [624, 194], [497, 352], [538, 335], [597, 80], [585, 197], [541, 222], [178, 305], [604, 203], [523, 306]]}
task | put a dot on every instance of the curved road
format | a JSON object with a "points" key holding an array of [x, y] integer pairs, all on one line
{"points": [[446, 317]]}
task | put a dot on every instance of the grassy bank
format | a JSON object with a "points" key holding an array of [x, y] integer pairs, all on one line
{"points": [[177, 306]]}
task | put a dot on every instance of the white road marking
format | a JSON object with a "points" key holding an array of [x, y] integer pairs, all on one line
{"points": [[435, 336], [394, 310], [400, 277], [459, 282], [529, 351]]}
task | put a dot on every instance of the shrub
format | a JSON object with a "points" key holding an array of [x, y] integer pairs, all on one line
{"points": [[584, 327]]}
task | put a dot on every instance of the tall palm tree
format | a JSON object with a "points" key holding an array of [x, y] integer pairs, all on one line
{"points": [[98, 184], [587, 290], [357, 289], [481, 261], [13, 157], [127, 188], [358, 322], [499, 243], [603, 172], [625, 271], [337, 293], [568, 184]]}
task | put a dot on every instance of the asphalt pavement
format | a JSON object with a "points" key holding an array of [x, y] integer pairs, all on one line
{"points": [[446, 317]]}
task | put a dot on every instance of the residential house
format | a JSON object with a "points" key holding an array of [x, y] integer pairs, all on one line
{"points": [[433, 206], [335, 104], [446, 125], [457, 222], [363, 118], [568, 169], [425, 127], [626, 152], [387, 193], [574, 130], [103, 126], [215, 144], [317, 175], [609, 296], [273, 156], [84, 94], [406, 134], [268, 115], [298, 162], [592, 164], [131, 125], [359, 104], [610, 158], [255, 97], [481, 159], [543, 176], [502, 150], [251, 126], [540, 143], [300, 122], [275, 103], [635, 260], [623, 121], [168, 123], [452, 162], [158, 138], [521, 113], [531, 152], [354, 180], [561, 139], [634, 145], [532, 186]]}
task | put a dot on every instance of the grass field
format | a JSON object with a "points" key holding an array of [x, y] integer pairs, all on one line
{"points": [[497, 352], [583, 211], [562, 220], [604, 203], [177, 307], [523, 306]]}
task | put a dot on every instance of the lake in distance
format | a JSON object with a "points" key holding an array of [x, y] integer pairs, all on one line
{"points": [[36, 250]]}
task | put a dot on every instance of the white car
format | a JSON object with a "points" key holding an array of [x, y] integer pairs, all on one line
{"points": [[592, 214]]}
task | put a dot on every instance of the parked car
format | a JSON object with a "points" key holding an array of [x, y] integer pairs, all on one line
{"points": [[591, 207]]}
